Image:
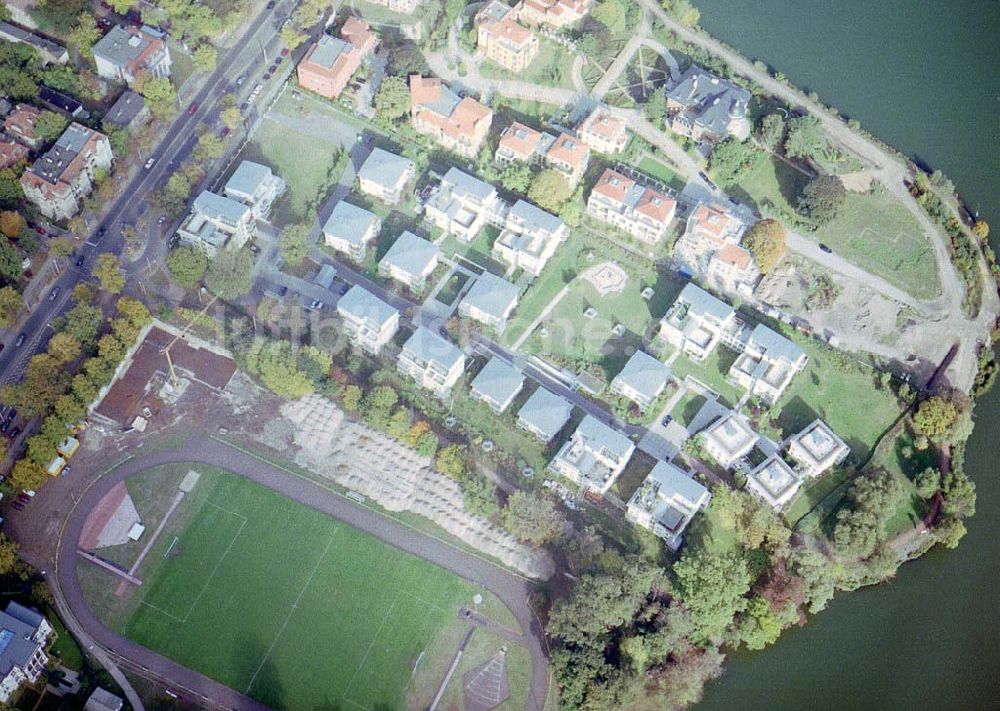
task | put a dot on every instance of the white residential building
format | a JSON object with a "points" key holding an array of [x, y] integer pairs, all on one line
{"points": [[774, 482], [640, 211], [497, 384], [125, 52], [817, 449], [604, 132], [23, 636], [666, 501], [642, 380], [767, 364], [530, 237], [369, 322], [350, 229], [462, 204], [433, 362], [709, 249], [544, 414], [490, 301], [594, 456], [697, 322], [255, 185], [410, 260], [384, 175], [729, 439], [217, 222]]}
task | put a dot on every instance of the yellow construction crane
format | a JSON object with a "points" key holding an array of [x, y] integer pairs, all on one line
{"points": [[166, 349]]}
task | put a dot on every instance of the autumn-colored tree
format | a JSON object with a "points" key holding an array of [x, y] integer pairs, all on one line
{"points": [[550, 190], [766, 242], [63, 347], [935, 417], [981, 229], [108, 271], [27, 475], [11, 223], [11, 304]]}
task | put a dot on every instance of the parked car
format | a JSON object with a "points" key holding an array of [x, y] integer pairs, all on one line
{"points": [[39, 230], [149, 163], [20, 340], [102, 231], [80, 260], [667, 420], [24, 498], [54, 294], [267, 76], [4, 426], [282, 291], [244, 105], [284, 52], [225, 132], [825, 248], [15, 432], [343, 289], [66, 470], [270, 5], [193, 107], [17, 505], [240, 80], [161, 219]]}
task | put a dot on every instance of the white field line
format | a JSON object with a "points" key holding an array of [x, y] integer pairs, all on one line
{"points": [[372, 644]]}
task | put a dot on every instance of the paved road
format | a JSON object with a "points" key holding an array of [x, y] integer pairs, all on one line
{"points": [[512, 589]]}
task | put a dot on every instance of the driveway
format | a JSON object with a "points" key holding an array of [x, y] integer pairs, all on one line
{"points": [[512, 589]]}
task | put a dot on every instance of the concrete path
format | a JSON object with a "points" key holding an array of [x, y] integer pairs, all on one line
{"points": [[543, 314]]}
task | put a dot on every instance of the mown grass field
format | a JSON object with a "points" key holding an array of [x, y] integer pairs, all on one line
{"points": [[286, 604]]}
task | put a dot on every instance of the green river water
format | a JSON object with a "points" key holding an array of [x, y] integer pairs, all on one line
{"points": [[925, 77]]}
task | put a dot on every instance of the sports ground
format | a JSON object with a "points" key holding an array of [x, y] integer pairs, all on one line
{"points": [[283, 603]]}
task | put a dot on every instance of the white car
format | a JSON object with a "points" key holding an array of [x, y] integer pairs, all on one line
{"points": [[150, 162]]}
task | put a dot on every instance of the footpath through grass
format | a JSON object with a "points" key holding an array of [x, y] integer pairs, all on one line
{"points": [[284, 603]]}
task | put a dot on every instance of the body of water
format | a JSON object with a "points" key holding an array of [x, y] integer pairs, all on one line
{"points": [[925, 77]]}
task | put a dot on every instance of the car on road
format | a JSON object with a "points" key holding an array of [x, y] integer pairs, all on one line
{"points": [[54, 294], [287, 22], [667, 420], [224, 132], [316, 305], [284, 52], [20, 340], [267, 76], [193, 107], [244, 105], [149, 163], [11, 414], [17, 505], [282, 291], [66, 470], [343, 289], [2, 346], [270, 5], [4, 426], [101, 232], [825, 248], [80, 260], [161, 219], [24, 498], [39, 230]]}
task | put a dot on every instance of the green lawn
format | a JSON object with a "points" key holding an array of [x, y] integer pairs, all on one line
{"points": [[65, 647], [712, 372], [772, 184], [552, 67], [657, 169], [687, 407], [478, 250], [284, 603]]}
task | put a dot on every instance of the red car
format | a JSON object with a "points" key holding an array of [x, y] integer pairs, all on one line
{"points": [[225, 132], [284, 52], [193, 107], [24, 498]]}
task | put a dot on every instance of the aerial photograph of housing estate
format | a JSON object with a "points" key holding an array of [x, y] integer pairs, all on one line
{"points": [[516, 355]]}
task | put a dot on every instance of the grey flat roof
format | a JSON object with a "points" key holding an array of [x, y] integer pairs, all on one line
{"points": [[498, 380], [328, 49], [492, 295], [349, 222], [428, 346], [774, 344], [701, 302], [119, 46], [546, 412], [600, 436], [535, 218], [215, 206], [248, 177], [645, 374], [124, 111], [462, 183], [384, 168], [361, 303], [410, 253], [673, 480]]}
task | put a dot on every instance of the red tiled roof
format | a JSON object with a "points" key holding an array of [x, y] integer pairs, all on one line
{"points": [[613, 185], [569, 150], [735, 255], [520, 139]]}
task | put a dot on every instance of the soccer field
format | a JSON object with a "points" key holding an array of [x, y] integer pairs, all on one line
{"points": [[285, 604]]}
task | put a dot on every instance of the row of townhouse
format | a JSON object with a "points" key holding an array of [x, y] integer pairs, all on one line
{"points": [[639, 210], [331, 62], [229, 221], [565, 153]]}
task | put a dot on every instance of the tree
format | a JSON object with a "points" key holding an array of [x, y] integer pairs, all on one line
{"points": [[805, 138], [479, 496], [209, 146], [230, 274], [949, 531], [60, 247], [760, 626], [822, 198], [50, 126], [732, 159], [11, 304], [533, 518], [959, 493], [291, 36], [84, 35], [771, 131], [11, 223], [58, 16], [68, 409], [27, 475], [277, 366], [981, 229], [609, 13], [64, 348], [158, 92], [550, 190], [204, 57], [83, 322], [682, 11], [83, 390], [44, 380], [392, 101], [656, 108], [871, 499], [712, 587], [927, 483], [232, 117], [9, 559], [295, 242], [516, 177], [108, 272], [351, 399], [817, 575], [10, 189], [766, 242], [936, 417], [451, 461], [176, 191]]}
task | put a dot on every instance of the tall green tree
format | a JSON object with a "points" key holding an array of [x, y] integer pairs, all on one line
{"points": [[822, 198], [230, 273], [713, 587], [107, 270], [533, 518]]}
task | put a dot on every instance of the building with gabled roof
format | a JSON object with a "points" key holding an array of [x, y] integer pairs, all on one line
{"points": [[817, 449], [731, 270], [125, 52], [709, 248], [11, 152], [701, 105], [544, 414], [642, 380], [64, 175], [666, 501], [331, 62], [410, 260], [103, 700], [639, 210], [564, 153], [501, 39], [459, 124], [497, 384], [20, 125], [217, 222], [129, 111], [570, 156], [435, 363], [384, 175], [23, 636], [462, 205], [350, 229], [729, 439], [48, 51], [369, 322], [530, 237], [255, 185], [774, 482], [490, 300], [767, 364], [604, 132], [697, 322], [557, 14], [594, 456]]}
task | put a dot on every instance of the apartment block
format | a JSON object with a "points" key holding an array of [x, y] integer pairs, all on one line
{"points": [[369, 322], [64, 175], [459, 124], [433, 362], [640, 211]]}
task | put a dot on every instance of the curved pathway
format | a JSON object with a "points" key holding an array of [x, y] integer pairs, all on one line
{"points": [[512, 589]]}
